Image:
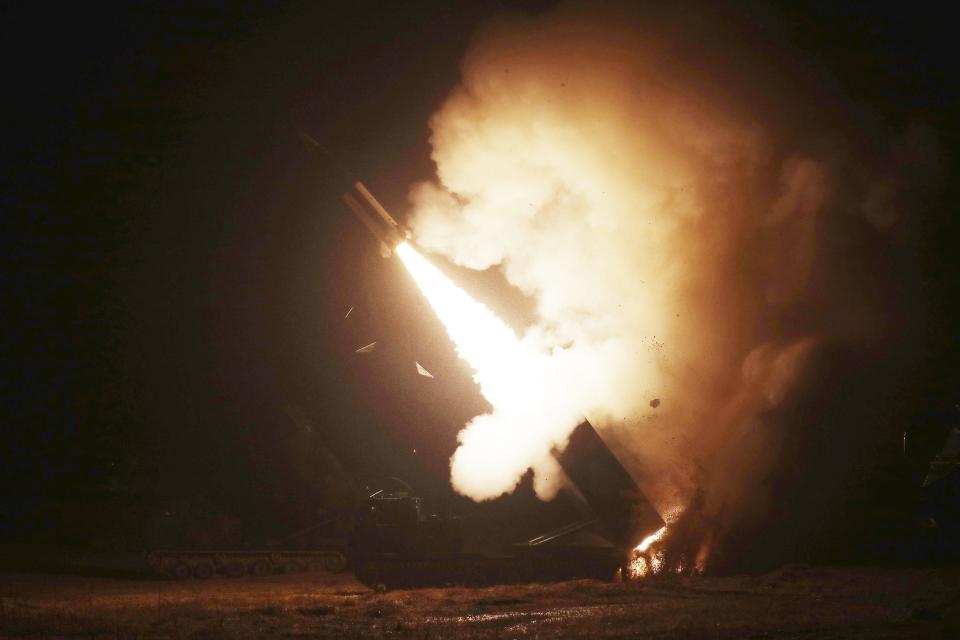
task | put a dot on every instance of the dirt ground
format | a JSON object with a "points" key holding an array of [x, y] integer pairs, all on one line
{"points": [[794, 602]]}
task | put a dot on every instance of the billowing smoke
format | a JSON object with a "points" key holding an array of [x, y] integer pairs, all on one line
{"points": [[701, 230]]}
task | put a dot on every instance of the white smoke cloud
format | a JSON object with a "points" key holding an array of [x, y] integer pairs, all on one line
{"points": [[669, 238]]}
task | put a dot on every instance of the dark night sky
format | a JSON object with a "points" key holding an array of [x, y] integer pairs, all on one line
{"points": [[175, 272]]}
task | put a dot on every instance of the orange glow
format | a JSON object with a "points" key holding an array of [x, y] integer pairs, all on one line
{"points": [[647, 561], [487, 344], [647, 542], [517, 377]]}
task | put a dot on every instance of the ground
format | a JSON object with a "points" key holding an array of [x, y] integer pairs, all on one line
{"points": [[794, 602]]}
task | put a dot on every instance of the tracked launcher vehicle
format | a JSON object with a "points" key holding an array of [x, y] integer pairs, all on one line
{"points": [[322, 546], [396, 544], [392, 541], [311, 549]]}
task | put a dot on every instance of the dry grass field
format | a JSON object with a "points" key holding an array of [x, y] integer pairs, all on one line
{"points": [[796, 602]]}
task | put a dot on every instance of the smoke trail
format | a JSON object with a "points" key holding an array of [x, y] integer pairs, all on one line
{"points": [[680, 246]]}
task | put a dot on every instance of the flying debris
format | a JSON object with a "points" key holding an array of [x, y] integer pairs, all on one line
{"points": [[422, 371], [361, 202], [349, 311], [367, 349]]}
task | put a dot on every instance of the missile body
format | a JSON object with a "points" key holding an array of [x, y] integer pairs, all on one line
{"points": [[380, 223], [362, 203]]}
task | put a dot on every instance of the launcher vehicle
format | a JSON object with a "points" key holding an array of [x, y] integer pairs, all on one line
{"points": [[396, 544], [391, 541], [321, 547]]}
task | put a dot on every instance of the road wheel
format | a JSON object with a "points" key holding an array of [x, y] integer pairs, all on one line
{"points": [[261, 568], [294, 566], [181, 571], [335, 562], [203, 570]]}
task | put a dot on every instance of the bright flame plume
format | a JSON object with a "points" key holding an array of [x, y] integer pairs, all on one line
{"points": [[482, 339], [524, 384]]}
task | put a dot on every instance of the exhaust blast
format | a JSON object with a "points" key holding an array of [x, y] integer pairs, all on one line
{"points": [[688, 258]]}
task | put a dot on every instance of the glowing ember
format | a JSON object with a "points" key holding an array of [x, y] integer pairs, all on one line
{"points": [[646, 560]]}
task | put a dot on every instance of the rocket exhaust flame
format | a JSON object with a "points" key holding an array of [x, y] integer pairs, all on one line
{"points": [[511, 373], [483, 340]]}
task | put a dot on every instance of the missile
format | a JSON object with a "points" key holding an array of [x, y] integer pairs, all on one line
{"points": [[362, 203]]}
